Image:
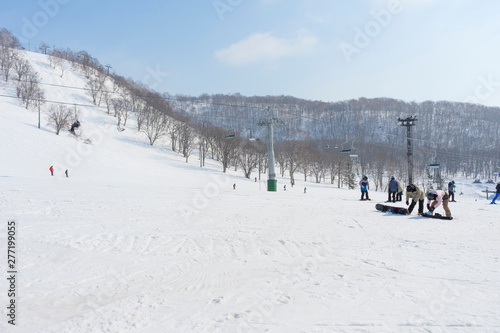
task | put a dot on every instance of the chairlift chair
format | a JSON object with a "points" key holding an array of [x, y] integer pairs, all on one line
{"points": [[231, 135], [434, 165]]}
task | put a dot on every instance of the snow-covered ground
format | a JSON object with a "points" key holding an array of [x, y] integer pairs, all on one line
{"points": [[137, 240]]}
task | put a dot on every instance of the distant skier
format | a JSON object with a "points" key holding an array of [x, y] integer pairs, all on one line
{"points": [[234, 186], [497, 194], [51, 170], [392, 188], [437, 197], [76, 124], [416, 194], [305, 190], [364, 186], [66, 173], [451, 190]]}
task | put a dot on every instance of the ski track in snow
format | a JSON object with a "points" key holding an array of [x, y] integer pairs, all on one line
{"points": [[136, 240]]}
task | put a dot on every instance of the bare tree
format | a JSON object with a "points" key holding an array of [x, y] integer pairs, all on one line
{"points": [[7, 61], [22, 67], [59, 117], [248, 158], [226, 147], [187, 136], [28, 89], [156, 124], [95, 87]]}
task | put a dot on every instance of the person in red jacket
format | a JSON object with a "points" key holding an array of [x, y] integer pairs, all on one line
{"points": [[51, 170]]}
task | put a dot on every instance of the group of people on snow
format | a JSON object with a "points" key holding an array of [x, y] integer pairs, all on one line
{"points": [[51, 169], [435, 198]]}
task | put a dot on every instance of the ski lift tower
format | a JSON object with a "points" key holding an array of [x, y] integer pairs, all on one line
{"points": [[272, 182], [408, 122]]}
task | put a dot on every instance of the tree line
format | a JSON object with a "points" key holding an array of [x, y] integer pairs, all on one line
{"points": [[334, 142]]}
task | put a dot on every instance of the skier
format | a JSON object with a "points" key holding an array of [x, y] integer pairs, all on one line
{"points": [[305, 190], [365, 186], [392, 188], [66, 173], [497, 194], [416, 194], [436, 197], [451, 190], [76, 124], [51, 170]]}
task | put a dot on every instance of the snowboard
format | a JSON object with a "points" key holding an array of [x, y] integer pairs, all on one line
{"points": [[438, 217], [394, 210]]}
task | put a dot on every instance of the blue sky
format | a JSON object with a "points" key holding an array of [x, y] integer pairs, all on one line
{"points": [[333, 50]]}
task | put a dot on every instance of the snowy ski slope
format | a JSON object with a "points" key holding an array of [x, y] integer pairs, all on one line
{"points": [[137, 240]]}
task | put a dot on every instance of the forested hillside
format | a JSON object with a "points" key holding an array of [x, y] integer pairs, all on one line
{"points": [[459, 136]]}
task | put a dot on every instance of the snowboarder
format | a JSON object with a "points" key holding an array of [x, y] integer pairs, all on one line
{"points": [[365, 186], [496, 194], [76, 124], [451, 190], [436, 197], [399, 195], [392, 188], [51, 170], [416, 194]]}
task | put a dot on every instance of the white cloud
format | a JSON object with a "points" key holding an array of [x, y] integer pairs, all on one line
{"points": [[265, 48]]}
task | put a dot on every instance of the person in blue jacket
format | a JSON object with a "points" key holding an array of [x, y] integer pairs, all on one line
{"points": [[497, 194], [365, 186]]}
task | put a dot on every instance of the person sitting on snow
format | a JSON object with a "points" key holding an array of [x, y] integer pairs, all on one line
{"points": [[436, 197]]}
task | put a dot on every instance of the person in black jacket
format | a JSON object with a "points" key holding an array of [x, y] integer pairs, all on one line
{"points": [[497, 194], [451, 190], [76, 124]]}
